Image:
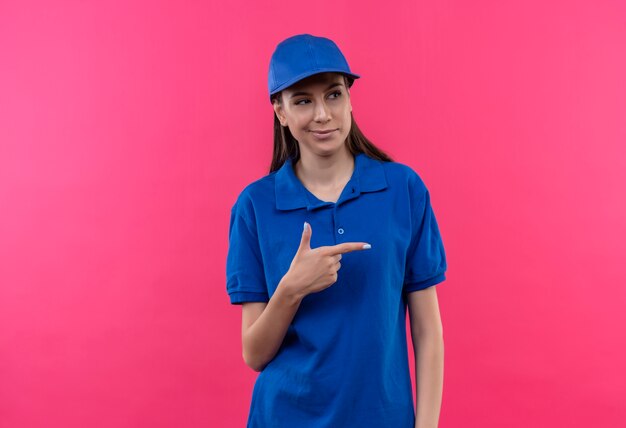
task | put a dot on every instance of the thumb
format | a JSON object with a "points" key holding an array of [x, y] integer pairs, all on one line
{"points": [[305, 242]]}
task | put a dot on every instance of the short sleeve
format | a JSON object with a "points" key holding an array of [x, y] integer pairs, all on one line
{"points": [[426, 258], [245, 278]]}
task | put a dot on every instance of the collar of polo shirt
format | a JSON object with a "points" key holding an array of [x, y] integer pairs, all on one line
{"points": [[368, 176]]}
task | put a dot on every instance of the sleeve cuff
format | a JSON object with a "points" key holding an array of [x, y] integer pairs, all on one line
{"points": [[420, 285], [239, 297]]}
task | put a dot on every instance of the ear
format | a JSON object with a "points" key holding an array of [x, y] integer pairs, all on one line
{"points": [[280, 113]]}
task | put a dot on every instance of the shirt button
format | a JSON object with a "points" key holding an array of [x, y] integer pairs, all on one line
{"points": [[340, 231]]}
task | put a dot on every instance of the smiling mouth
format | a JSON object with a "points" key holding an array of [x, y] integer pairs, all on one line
{"points": [[323, 132]]}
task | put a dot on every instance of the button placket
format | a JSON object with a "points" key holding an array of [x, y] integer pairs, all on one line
{"points": [[336, 224]]}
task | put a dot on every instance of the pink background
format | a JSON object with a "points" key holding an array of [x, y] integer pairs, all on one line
{"points": [[127, 129]]}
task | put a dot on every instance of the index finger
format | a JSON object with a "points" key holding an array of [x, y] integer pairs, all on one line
{"points": [[346, 247]]}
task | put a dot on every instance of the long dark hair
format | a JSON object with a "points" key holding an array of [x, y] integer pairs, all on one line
{"points": [[286, 146]]}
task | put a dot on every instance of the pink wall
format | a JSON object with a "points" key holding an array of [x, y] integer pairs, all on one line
{"points": [[127, 129]]}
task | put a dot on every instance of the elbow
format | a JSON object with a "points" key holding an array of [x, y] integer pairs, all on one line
{"points": [[253, 363], [258, 369], [252, 357]]}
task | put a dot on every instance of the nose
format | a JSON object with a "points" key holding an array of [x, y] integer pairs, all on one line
{"points": [[322, 112]]}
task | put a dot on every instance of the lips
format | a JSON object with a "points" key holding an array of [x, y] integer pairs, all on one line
{"points": [[323, 134]]}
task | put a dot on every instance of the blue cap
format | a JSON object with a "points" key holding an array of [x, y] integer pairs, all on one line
{"points": [[301, 56]]}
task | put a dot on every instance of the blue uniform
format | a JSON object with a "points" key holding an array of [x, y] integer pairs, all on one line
{"points": [[344, 359]]}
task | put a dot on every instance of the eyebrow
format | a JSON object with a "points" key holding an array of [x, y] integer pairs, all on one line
{"points": [[332, 85]]}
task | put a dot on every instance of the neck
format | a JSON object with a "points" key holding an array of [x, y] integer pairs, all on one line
{"points": [[325, 171]]}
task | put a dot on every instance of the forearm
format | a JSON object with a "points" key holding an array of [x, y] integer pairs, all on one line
{"points": [[429, 352], [263, 338]]}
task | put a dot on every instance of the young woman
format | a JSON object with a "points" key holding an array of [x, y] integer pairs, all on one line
{"points": [[325, 254]]}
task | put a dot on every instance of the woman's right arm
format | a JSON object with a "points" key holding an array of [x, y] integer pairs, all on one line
{"points": [[264, 325]]}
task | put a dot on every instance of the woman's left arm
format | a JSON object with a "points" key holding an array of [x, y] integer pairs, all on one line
{"points": [[427, 336]]}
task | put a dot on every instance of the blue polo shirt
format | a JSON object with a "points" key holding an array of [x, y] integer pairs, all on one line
{"points": [[344, 359]]}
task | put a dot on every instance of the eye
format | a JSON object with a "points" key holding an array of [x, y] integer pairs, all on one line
{"points": [[306, 100], [338, 93]]}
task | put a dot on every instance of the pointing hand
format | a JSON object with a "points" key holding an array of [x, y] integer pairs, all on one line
{"points": [[315, 269]]}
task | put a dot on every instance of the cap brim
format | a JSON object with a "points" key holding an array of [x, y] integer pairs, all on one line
{"points": [[311, 73]]}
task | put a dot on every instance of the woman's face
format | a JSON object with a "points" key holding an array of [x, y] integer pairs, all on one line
{"points": [[317, 111]]}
